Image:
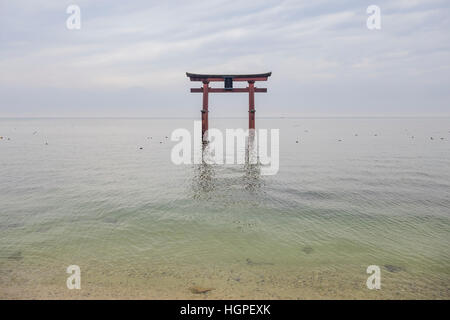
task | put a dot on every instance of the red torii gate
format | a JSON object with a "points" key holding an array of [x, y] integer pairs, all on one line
{"points": [[228, 80]]}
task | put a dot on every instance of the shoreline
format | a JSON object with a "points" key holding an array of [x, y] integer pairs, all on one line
{"points": [[250, 282]]}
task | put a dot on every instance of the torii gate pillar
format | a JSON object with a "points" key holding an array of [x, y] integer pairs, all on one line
{"points": [[228, 87], [205, 110], [251, 105]]}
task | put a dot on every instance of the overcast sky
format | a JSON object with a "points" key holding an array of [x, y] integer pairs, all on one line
{"points": [[130, 57]]}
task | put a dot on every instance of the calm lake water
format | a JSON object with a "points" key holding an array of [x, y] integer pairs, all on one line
{"points": [[351, 193]]}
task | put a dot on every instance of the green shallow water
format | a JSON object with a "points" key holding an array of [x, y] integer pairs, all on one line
{"points": [[140, 226]]}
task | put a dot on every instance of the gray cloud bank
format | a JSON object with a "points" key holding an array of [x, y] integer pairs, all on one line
{"points": [[130, 57]]}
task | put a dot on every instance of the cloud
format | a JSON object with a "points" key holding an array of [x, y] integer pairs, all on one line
{"points": [[311, 47]]}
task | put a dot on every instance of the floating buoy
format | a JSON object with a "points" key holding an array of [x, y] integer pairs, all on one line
{"points": [[431, 138]]}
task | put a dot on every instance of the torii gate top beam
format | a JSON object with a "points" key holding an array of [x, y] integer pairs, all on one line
{"points": [[234, 77]]}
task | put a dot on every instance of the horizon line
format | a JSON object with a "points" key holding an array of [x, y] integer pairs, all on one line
{"points": [[230, 117]]}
